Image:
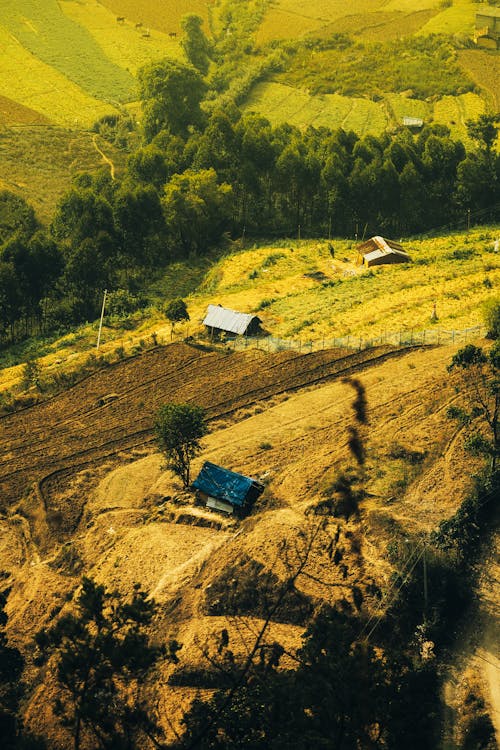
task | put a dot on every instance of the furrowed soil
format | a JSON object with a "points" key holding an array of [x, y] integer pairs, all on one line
{"points": [[85, 492]]}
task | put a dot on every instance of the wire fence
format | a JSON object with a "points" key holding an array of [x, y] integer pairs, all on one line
{"points": [[403, 338]]}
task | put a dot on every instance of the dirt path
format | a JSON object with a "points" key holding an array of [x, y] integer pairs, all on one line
{"points": [[105, 158]]}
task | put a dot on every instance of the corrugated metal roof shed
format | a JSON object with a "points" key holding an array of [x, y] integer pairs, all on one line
{"points": [[378, 249], [413, 122], [228, 320], [227, 485]]}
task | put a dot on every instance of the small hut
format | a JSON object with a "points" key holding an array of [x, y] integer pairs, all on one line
{"points": [[487, 32], [222, 320], [378, 251], [225, 490]]}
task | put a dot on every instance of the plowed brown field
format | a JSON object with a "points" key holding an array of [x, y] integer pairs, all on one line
{"points": [[73, 429]]}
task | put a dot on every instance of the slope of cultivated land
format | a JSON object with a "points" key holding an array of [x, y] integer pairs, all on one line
{"points": [[49, 35], [123, 43], [282, 103], [39, 163], [128, 530], [31, 82], [484, 68], [163, 15]]}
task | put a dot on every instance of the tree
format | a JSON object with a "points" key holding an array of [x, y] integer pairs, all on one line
{"points": [[17, 218], [176, 311], [171, 94], [479, 374], [194, 43], [492, 318], [96, 648], [197, 209], [179, 428]]}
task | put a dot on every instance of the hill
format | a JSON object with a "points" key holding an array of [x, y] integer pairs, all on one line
{"points": [[115, 515]]}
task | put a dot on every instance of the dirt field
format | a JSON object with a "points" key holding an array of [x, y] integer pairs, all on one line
{"points": [[106, 507]]}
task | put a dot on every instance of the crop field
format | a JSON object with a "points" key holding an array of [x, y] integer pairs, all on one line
{"points": [[13, 113], [484, 69], [52, 37], [381, 26], [32, 83], [454, 111], [457, 19], [163, 15], [281, 103], [71, 62], [122, 43]]}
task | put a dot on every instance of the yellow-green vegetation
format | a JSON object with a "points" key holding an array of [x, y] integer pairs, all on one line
{"points": [[281, 103], [51, 36], [34, 84], [484, 68], [404, 106], [300, 291], [457, 19], [39, 163], [123, 43], [454, 111]]}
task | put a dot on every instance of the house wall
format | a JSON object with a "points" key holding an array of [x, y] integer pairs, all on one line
{"points": [[385, 260]]}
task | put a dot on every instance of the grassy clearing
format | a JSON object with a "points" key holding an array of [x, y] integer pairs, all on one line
{"points": [[122, 43], [35, 85], [42, 28], [403, 106], [380, 27], [281, 103], [40, 162]]}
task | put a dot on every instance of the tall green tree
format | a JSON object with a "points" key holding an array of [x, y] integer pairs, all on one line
{"points": [[479, 381], [100, 647], [171, 94], [176, 311], [197, 209], [179, 429], [194, 42], [17, 217]]}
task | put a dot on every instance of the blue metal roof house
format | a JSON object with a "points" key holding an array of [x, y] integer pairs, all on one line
{"points": [[226, 490]]}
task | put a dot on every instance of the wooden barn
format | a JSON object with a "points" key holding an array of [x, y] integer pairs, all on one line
{"points": [[222, 320], [487, 32], [378, 251], [225, 490]]}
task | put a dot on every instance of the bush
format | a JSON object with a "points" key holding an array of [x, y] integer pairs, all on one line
{"points": [[492, 318]]}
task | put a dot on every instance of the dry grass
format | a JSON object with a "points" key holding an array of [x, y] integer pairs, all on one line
{"points": [[163, 15]]}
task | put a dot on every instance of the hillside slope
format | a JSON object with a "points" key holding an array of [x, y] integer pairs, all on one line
{"points": [[113, 513]]}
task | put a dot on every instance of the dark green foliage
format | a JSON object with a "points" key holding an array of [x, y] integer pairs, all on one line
{"points": [[194, 43], [479, 374], [492, 318], [342, 695], [96, 648], [430, 68], [171, 93], [247, 589], [17, 218], [179, 429]]}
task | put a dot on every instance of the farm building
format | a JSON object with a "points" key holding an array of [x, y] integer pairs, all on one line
{"points": [[220, 319], [413, 122], [488, 28], [378, 251], [221, 489]]}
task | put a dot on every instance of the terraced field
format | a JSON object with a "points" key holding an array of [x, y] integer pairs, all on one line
{"points": [[75, 429]]}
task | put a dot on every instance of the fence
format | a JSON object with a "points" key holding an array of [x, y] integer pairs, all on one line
{"points": [[428, 337]]}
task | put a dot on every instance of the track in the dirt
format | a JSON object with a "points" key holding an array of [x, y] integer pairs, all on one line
{"points": [[72, 429]]}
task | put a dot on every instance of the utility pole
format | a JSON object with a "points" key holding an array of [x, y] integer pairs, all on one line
{"points": [[102, 316], [468, 219]]}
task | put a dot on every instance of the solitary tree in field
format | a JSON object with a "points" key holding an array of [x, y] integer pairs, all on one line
{"points": [[176, 311], [179, 429]]}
